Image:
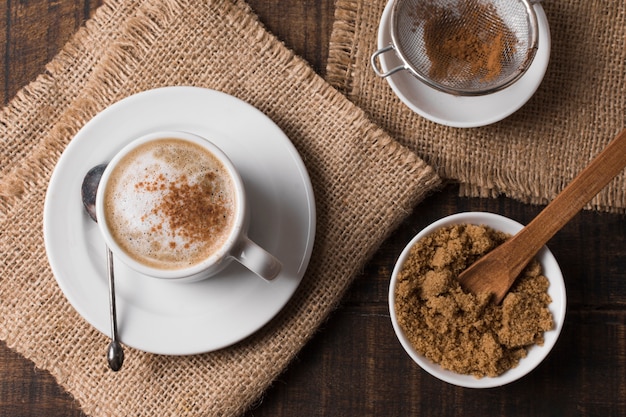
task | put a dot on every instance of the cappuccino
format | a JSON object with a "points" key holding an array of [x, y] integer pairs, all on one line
{"points": [[170, 204]]}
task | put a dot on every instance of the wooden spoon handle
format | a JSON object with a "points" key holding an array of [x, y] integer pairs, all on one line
{"points": [[602, 169]]}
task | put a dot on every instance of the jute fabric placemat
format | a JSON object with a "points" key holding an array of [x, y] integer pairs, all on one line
{"points": [[365, 183], [533, 154]]}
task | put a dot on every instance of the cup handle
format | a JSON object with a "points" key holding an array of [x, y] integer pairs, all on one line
{"points": [[257, 259]]}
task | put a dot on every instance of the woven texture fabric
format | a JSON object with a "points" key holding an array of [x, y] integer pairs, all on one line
{"points": [[365, 183], [532, 154]]}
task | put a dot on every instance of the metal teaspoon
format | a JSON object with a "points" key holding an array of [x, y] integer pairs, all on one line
{"points": [[115, 352]]}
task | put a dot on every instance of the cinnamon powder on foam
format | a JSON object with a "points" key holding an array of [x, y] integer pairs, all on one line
{"points": [[172, 204], [462, 332], [196, 212]]}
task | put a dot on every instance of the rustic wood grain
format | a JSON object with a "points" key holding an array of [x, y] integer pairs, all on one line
{"points": [[354, 366]]}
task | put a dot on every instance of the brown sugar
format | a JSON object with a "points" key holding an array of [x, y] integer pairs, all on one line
{"points": [[463, 332]]}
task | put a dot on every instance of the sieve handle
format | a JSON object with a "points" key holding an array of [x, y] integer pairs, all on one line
{"points": [[379, 71]]}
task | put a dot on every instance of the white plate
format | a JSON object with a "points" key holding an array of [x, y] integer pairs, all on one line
{"points": [[464, 111], [173, 318]]}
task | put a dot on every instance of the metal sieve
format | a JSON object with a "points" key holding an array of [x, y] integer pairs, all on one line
{"points": [[462, 47]]}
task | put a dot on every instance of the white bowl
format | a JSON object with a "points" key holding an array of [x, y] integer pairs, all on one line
{"points": [[535, 353]]}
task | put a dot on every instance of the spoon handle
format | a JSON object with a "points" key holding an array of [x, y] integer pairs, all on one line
{"points": [[113, 310], [602, 169]]}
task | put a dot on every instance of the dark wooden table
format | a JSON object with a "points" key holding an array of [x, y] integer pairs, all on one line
{"points": [[354, 366]]}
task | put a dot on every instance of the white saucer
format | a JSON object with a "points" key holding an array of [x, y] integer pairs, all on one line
{"points": [[464, 111], [173, 318]]}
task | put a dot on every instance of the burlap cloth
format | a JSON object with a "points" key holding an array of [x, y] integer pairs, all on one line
{"points": [[365, 183], [533, 154]]}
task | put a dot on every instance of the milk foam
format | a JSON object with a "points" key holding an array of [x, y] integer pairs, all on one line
{"points": [[170, 204]]}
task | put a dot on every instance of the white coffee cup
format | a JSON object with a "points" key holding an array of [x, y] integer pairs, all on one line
{"points": [[171, 205]]}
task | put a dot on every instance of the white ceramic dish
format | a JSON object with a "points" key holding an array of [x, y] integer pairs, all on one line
{"points": [[536, 354], [176, 318], [464, 111]]}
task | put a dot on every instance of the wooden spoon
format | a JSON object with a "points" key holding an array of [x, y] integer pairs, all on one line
{"points": [[496, 271]]}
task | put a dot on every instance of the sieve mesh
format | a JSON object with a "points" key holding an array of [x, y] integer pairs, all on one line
{"points": [[465, 46]]}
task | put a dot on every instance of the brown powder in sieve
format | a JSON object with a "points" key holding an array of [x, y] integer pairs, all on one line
{"points": [[471, 42], [462, 332]]}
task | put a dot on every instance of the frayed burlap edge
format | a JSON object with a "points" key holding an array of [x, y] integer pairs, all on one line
{"points": [[28, 115], [350, 43], [341, 61]]}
